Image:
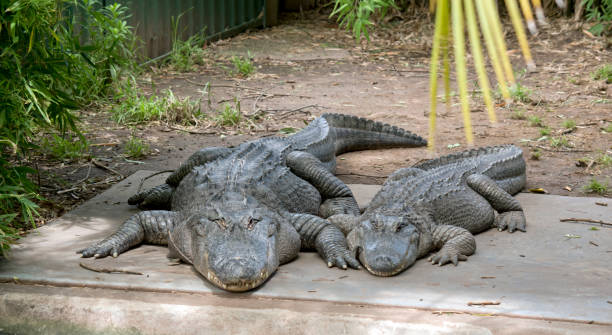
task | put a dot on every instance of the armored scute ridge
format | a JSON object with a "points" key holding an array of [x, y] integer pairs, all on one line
{"points": [[437, 206], [235, 214]]}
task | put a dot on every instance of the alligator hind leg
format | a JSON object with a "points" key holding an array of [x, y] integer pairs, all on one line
{"points": [[511, 214], [159, 197], [339, 198], [150, 227]]}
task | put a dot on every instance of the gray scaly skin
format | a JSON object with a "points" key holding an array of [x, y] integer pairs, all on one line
{"points": [[235, 214], [438, 205]]}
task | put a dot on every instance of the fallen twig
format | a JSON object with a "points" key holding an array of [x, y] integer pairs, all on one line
{"points": [[228, 86], [102, 166], [194, 131], [74, 187], [586, 220], [553, 150], [605, 204], [104, 270], [483, 303]]}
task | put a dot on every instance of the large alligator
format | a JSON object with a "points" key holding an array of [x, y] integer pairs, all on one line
{"points": [[438, 205], [237, 213]]}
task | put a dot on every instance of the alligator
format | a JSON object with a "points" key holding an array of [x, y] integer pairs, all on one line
{"points": [[237, 213], [437, 205]]}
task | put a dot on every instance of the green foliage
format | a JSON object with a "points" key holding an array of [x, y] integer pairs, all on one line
{"points": [[559, 142], [230, 115], [518, 114], [356, 15], [46, 72], [536, 154], [603, 73], [544, 131], [185, 54], [135, 147], [65, 147], [520, 93], [243, 66], [17, 196], [569, 124], [136, 108], [535, 121], [595, 186], [599, 12], [288, 130], [604, 160], [608, 128]]}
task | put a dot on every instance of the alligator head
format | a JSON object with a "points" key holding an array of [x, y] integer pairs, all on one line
{"points": [[388, 244], [234, 243]]}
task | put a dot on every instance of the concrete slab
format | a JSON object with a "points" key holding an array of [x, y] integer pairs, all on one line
{"points": [[556, 271]]}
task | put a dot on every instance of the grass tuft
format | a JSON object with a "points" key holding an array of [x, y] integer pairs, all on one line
{"points": [[595, 186], [135, 147], [243, 66]]}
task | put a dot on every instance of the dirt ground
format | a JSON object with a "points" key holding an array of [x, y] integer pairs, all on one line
{"points": [[306, 66]]}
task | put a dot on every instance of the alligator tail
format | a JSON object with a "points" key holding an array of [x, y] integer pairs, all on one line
{"points": [[355, 133], [508, 151]]}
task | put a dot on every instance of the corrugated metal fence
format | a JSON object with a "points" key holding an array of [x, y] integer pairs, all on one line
{"points": [[152, 19]]}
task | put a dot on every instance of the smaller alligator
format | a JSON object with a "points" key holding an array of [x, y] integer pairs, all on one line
{"points": [[235, 214], [438, 205]]}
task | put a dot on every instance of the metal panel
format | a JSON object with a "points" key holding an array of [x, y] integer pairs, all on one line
{"points": [[152, 19]]}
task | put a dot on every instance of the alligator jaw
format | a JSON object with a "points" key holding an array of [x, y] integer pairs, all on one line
{"points": [[240, 285]]}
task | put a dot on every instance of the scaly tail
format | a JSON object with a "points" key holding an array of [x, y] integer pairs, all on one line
{"points": [[354, 133]]}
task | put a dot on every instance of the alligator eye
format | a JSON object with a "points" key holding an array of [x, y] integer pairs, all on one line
{"points": [[251, 223], [221, 223]]}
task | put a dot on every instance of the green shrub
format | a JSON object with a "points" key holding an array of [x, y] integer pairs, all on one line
{"points": [[135, 147], [356, 15], [230, 115], [185, 54], [599, 12], [603, 73], [243, 66], [65, 148], [45, 74], [569, 124], [535, 121], [595, 186]]}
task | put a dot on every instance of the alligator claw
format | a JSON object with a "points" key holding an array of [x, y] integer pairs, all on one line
{"points": [[331, 245], [514, 220], [447, 255]]}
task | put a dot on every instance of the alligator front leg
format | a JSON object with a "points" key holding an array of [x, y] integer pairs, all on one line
{"points": [[159, 196], [455, 244], [511, 214], [326, 238], [150, 227], [339, 198]]}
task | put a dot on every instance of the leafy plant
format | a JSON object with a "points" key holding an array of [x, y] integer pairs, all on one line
{"points": [[604, 160], [595, 186], [65, 147], [186, 54], [520, 93], [17, 196], [535, 121], [518, 114], [230, 115], [569, 124], [603, 73], [356, 15], [45, 74], [135, 147], [243, 66], [536, 154], [136, 108], [559, 142], [545, 131], [600, 12]]}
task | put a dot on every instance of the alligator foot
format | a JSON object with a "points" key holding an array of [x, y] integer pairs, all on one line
{"points": [[513, 220], [331, 245], [447, 254]]}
